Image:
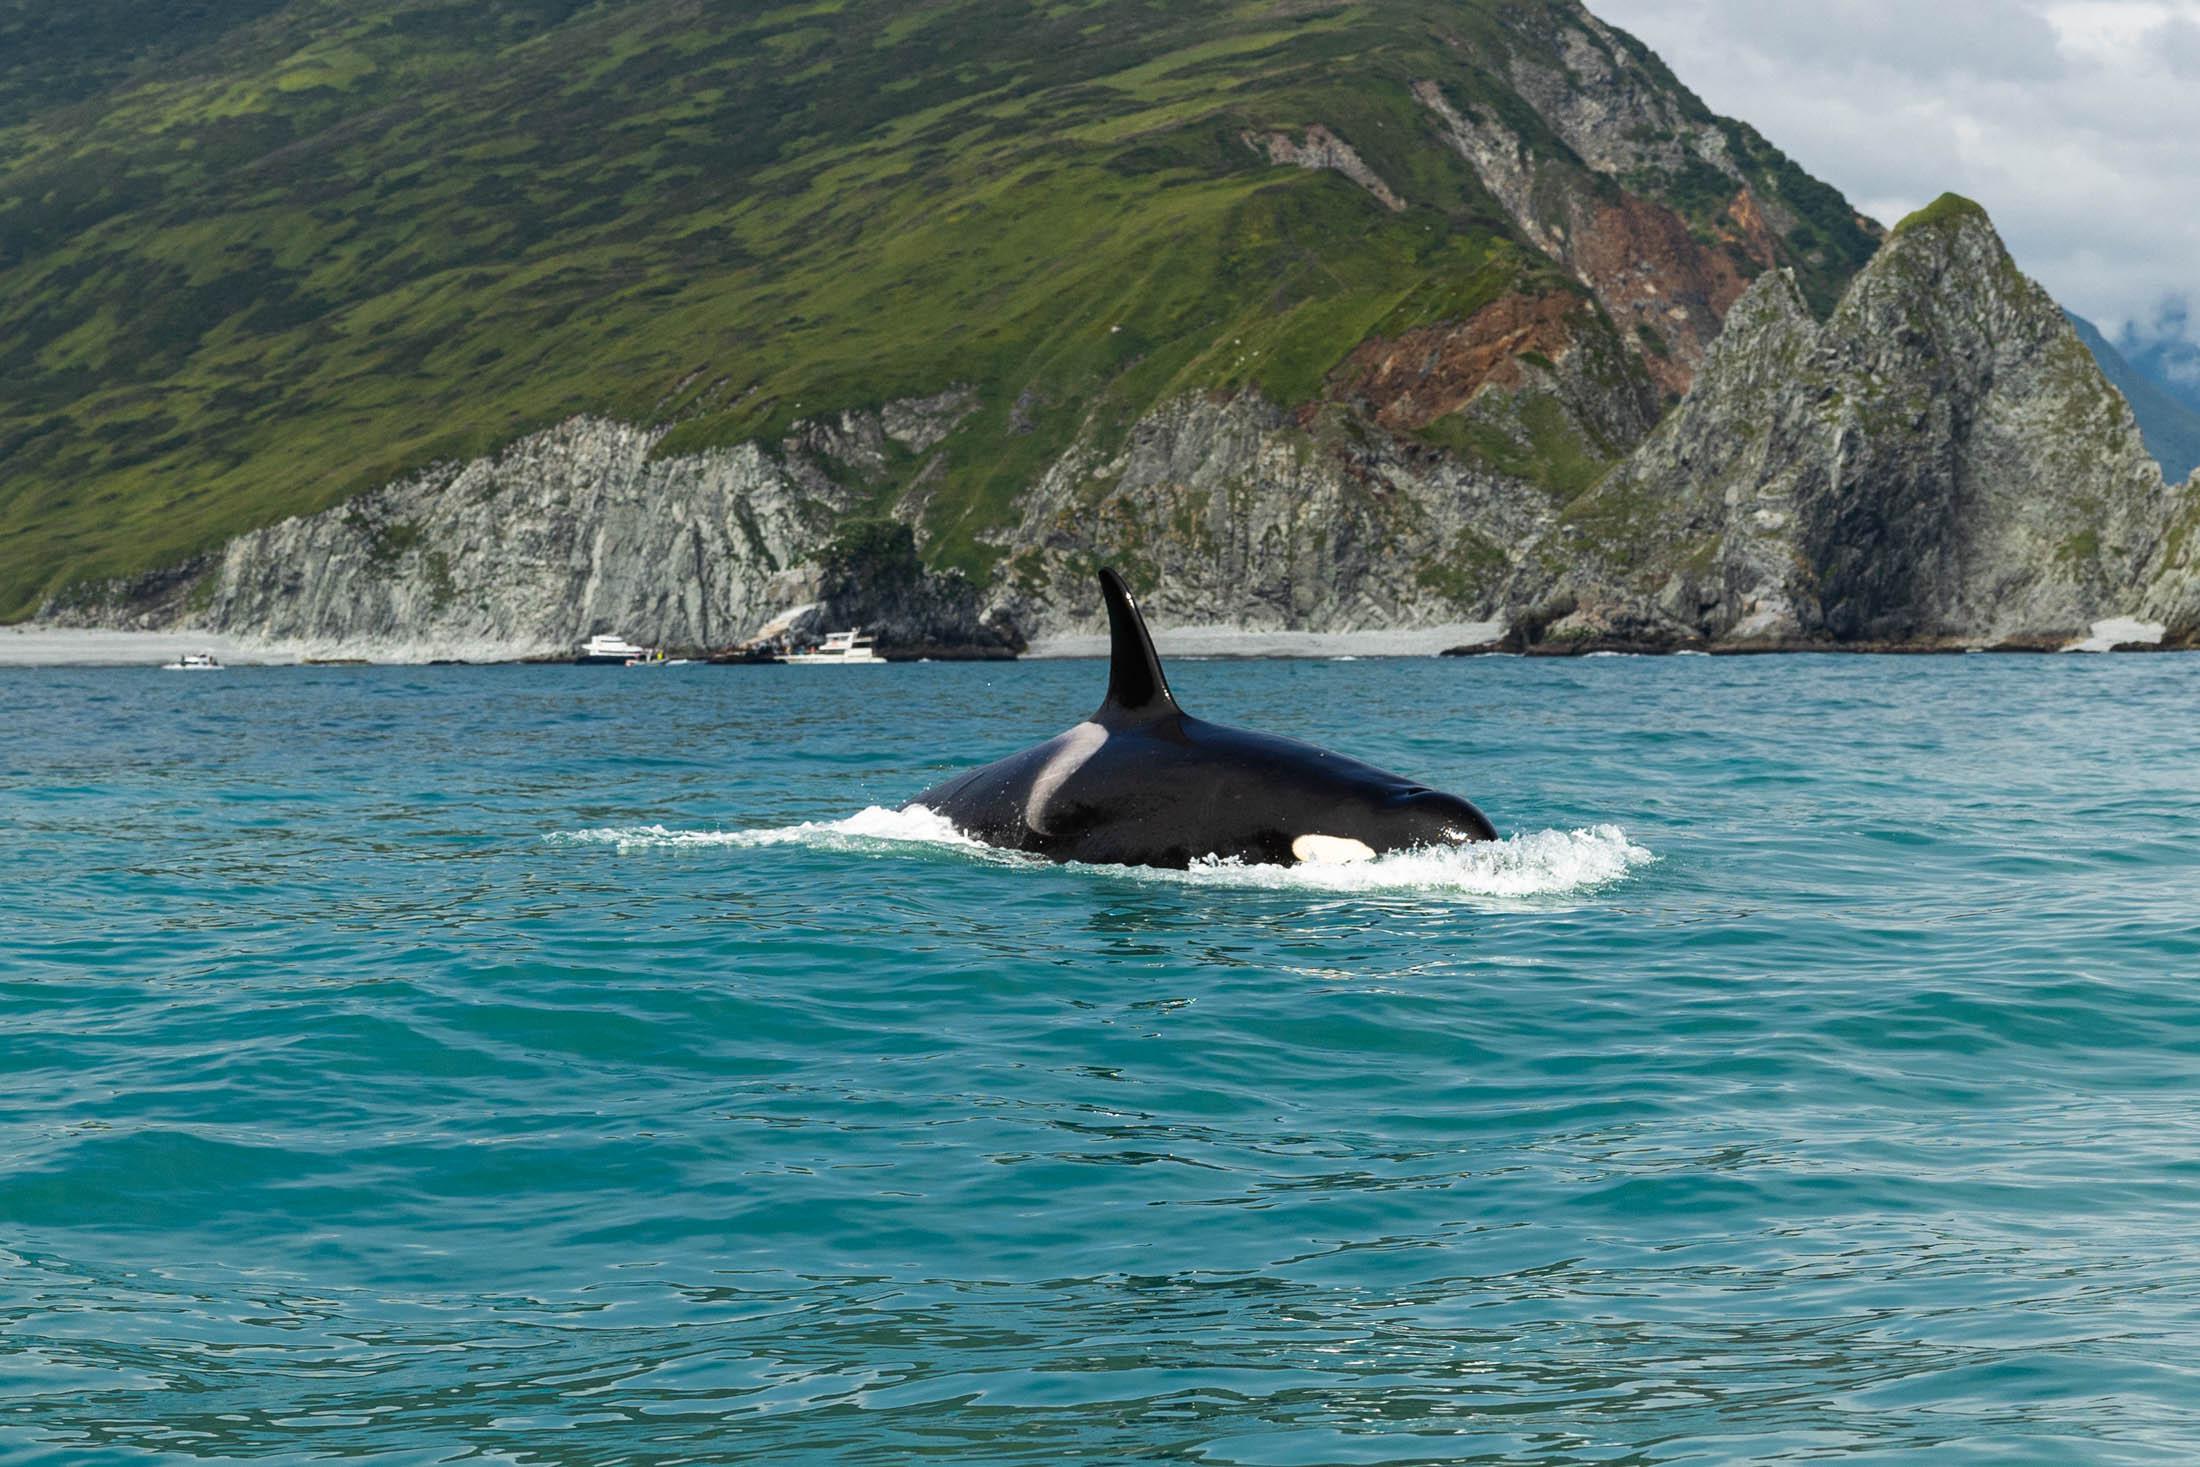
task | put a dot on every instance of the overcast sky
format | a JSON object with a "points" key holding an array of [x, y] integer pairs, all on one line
{"points": [[2075, 122]]}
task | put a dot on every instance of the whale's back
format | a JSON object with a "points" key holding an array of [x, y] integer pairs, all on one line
{"points": [[1143, 783]]}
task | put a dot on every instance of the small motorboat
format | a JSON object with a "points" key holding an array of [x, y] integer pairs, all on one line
{"points": [[193, 662], [606, 650], [840, 648]]}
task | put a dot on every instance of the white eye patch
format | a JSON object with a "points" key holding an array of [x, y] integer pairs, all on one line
{"points": [[1330, 850]]}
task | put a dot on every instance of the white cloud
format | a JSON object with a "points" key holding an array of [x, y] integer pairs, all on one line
{"points": [[2073, 121]]}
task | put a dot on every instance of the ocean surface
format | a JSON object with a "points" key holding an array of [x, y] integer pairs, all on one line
{"points": [[559, 1065]]}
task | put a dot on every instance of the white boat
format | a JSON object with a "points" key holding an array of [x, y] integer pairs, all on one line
{"points": [[604, 648], [850, 647], [193, 662]]}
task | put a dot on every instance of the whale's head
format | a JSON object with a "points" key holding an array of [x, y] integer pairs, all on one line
{"points": [[1378, 818], [1426, 817]]}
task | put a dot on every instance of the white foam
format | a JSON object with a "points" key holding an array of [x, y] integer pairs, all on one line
{"points": [[876, 828], [1542, 863], [2109, 634]]}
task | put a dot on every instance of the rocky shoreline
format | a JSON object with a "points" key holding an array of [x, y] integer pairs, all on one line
{"points": [[1938, 467], [2114, 635], [1610, 647], [34, 645]]}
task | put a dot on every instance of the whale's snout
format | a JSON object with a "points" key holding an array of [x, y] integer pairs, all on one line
{"points": [[1437, 819]]}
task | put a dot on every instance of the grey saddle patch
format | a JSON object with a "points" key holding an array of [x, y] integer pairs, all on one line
{"points": [[1075, 747]]}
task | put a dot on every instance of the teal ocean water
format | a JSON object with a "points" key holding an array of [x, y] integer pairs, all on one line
{"points": [[549, 1065]]}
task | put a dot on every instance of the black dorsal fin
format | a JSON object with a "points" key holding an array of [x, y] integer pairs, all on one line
{"points": [[1137, 688]]}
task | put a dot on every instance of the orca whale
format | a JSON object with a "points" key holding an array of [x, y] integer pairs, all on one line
{"points": [[1143, 783]]}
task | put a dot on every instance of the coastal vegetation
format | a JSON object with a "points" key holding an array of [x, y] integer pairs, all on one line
{"points": [[258, 256]]}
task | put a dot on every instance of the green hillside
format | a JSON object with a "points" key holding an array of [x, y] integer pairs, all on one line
{"points": [[256, 255]]}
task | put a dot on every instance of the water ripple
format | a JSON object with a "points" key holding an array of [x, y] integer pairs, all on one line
{"points": [[343, 1112]]}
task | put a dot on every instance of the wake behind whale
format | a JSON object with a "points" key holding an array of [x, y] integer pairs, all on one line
{"points": [[1531, 865], [1145, 791]]}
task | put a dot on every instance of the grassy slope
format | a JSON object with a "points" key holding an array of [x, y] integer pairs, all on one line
{"points": [[245, 277], [52, 55]]}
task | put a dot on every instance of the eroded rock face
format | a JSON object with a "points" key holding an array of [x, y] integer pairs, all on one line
{"points": [[1227, 511], [2173, 582], [1323, 149], [1647, 268], [1941, 459], [1601, 99], [1433, 371], [1590, 181], [567, 533], [1419, 491], [1938, 462], [870, 576]]}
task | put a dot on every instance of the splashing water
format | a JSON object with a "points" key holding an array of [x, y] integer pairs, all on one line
{"points": [[874, 829], [1531, 864]]}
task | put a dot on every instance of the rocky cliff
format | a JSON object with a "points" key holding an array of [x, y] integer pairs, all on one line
{"points": [[1422, 221], [2173, 585], [1397, 498], [2171, 427], [1940, 460], [1665, 211], [581, 530], [1508, 329]]}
